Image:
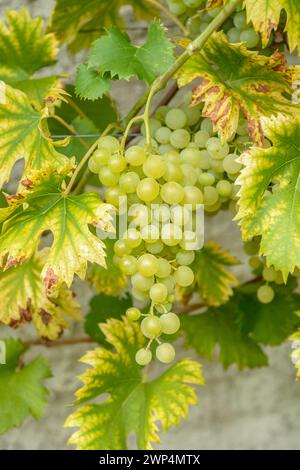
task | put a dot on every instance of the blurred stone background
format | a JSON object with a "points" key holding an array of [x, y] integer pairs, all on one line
{"points": [[254, 409]]}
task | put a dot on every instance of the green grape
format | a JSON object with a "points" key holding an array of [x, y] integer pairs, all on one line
{"points": [[180, 138], [251, 247], [210, 195], [120, 248], [173, 173], [161, 213], [224, 188], [206, 179], [155, 248], [147, 189], [240, 20], [164, 268], [163, 134], [172, 193], [170, 323], [279, 278], [191, 156], [151, 326], [129, 181], [234, 35], [169, 282], [133, 313], [128, 265], [180, 215], [193, 115], [190, 176], [143, 144], [165, 353], [117, 163], [143, 357], [250, 37], [213, 208], [139, 295], [216, 149], [161, 112], [177, 8], [94, 167], [171, 234], [242, 128], [184, 276], [101, 156], [109, 143], [154, 166], [172, 156], [150, 233], [255, 262], [113, 194], [265, 294], [142, 283], [135, 155], [140, 214], [269, 274], [193, 196], [200, 138], [204, 162], [207, 125], [158, 293], [230, 165], [132, 238], [189, 241], [176, 119], [154, 125], [184, 258], [148, 265], [164, 148], [163, 308], [107, 177]]}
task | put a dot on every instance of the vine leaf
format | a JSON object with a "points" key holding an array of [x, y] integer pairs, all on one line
{"points": [[240, 326], [109, 281], [42, 207], [265, 16], [23, 135], [21, 391], [275, 215], [25, 299], [295, 355], [89, 83], [258, 86], [102, 308], [212, 280], [79, 23], [134, 404], [25, 49]]}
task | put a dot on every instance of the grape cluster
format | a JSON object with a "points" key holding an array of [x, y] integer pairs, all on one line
{"points": [[187, 166]]}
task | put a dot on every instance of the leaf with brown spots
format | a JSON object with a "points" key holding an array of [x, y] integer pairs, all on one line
{"points": [[235, 81], [265, 16], [24, 299], [45, 207]]}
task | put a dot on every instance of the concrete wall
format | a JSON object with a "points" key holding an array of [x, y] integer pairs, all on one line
{"points": [[257, 409]]}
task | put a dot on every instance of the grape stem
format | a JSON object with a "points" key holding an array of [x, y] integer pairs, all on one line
{"points": [[129, 125]]}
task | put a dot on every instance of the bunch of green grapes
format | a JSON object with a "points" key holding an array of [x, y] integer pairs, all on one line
{"points": [[236, 27], [184, 7], [265, 292], [164, 186]]}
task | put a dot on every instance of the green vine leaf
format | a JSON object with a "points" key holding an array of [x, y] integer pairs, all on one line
{"points": [[21, 391], [212, 280], [102, 308], [25, 49], [25, 299], [79, 24], [42, 207], [134, 404], [24, 136], [275, 215], [89, 83], [265, 16], [260, 85], [109, 281]]}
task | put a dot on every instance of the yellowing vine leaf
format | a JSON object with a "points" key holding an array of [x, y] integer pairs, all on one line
{"points": [[23, 135], [79, 23], [295, 355], [274, 215], [265, 15], [45, 207], [21, 390], [236, 81], [25, 49], [24, 299], [134, 404], [212, 280]]}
